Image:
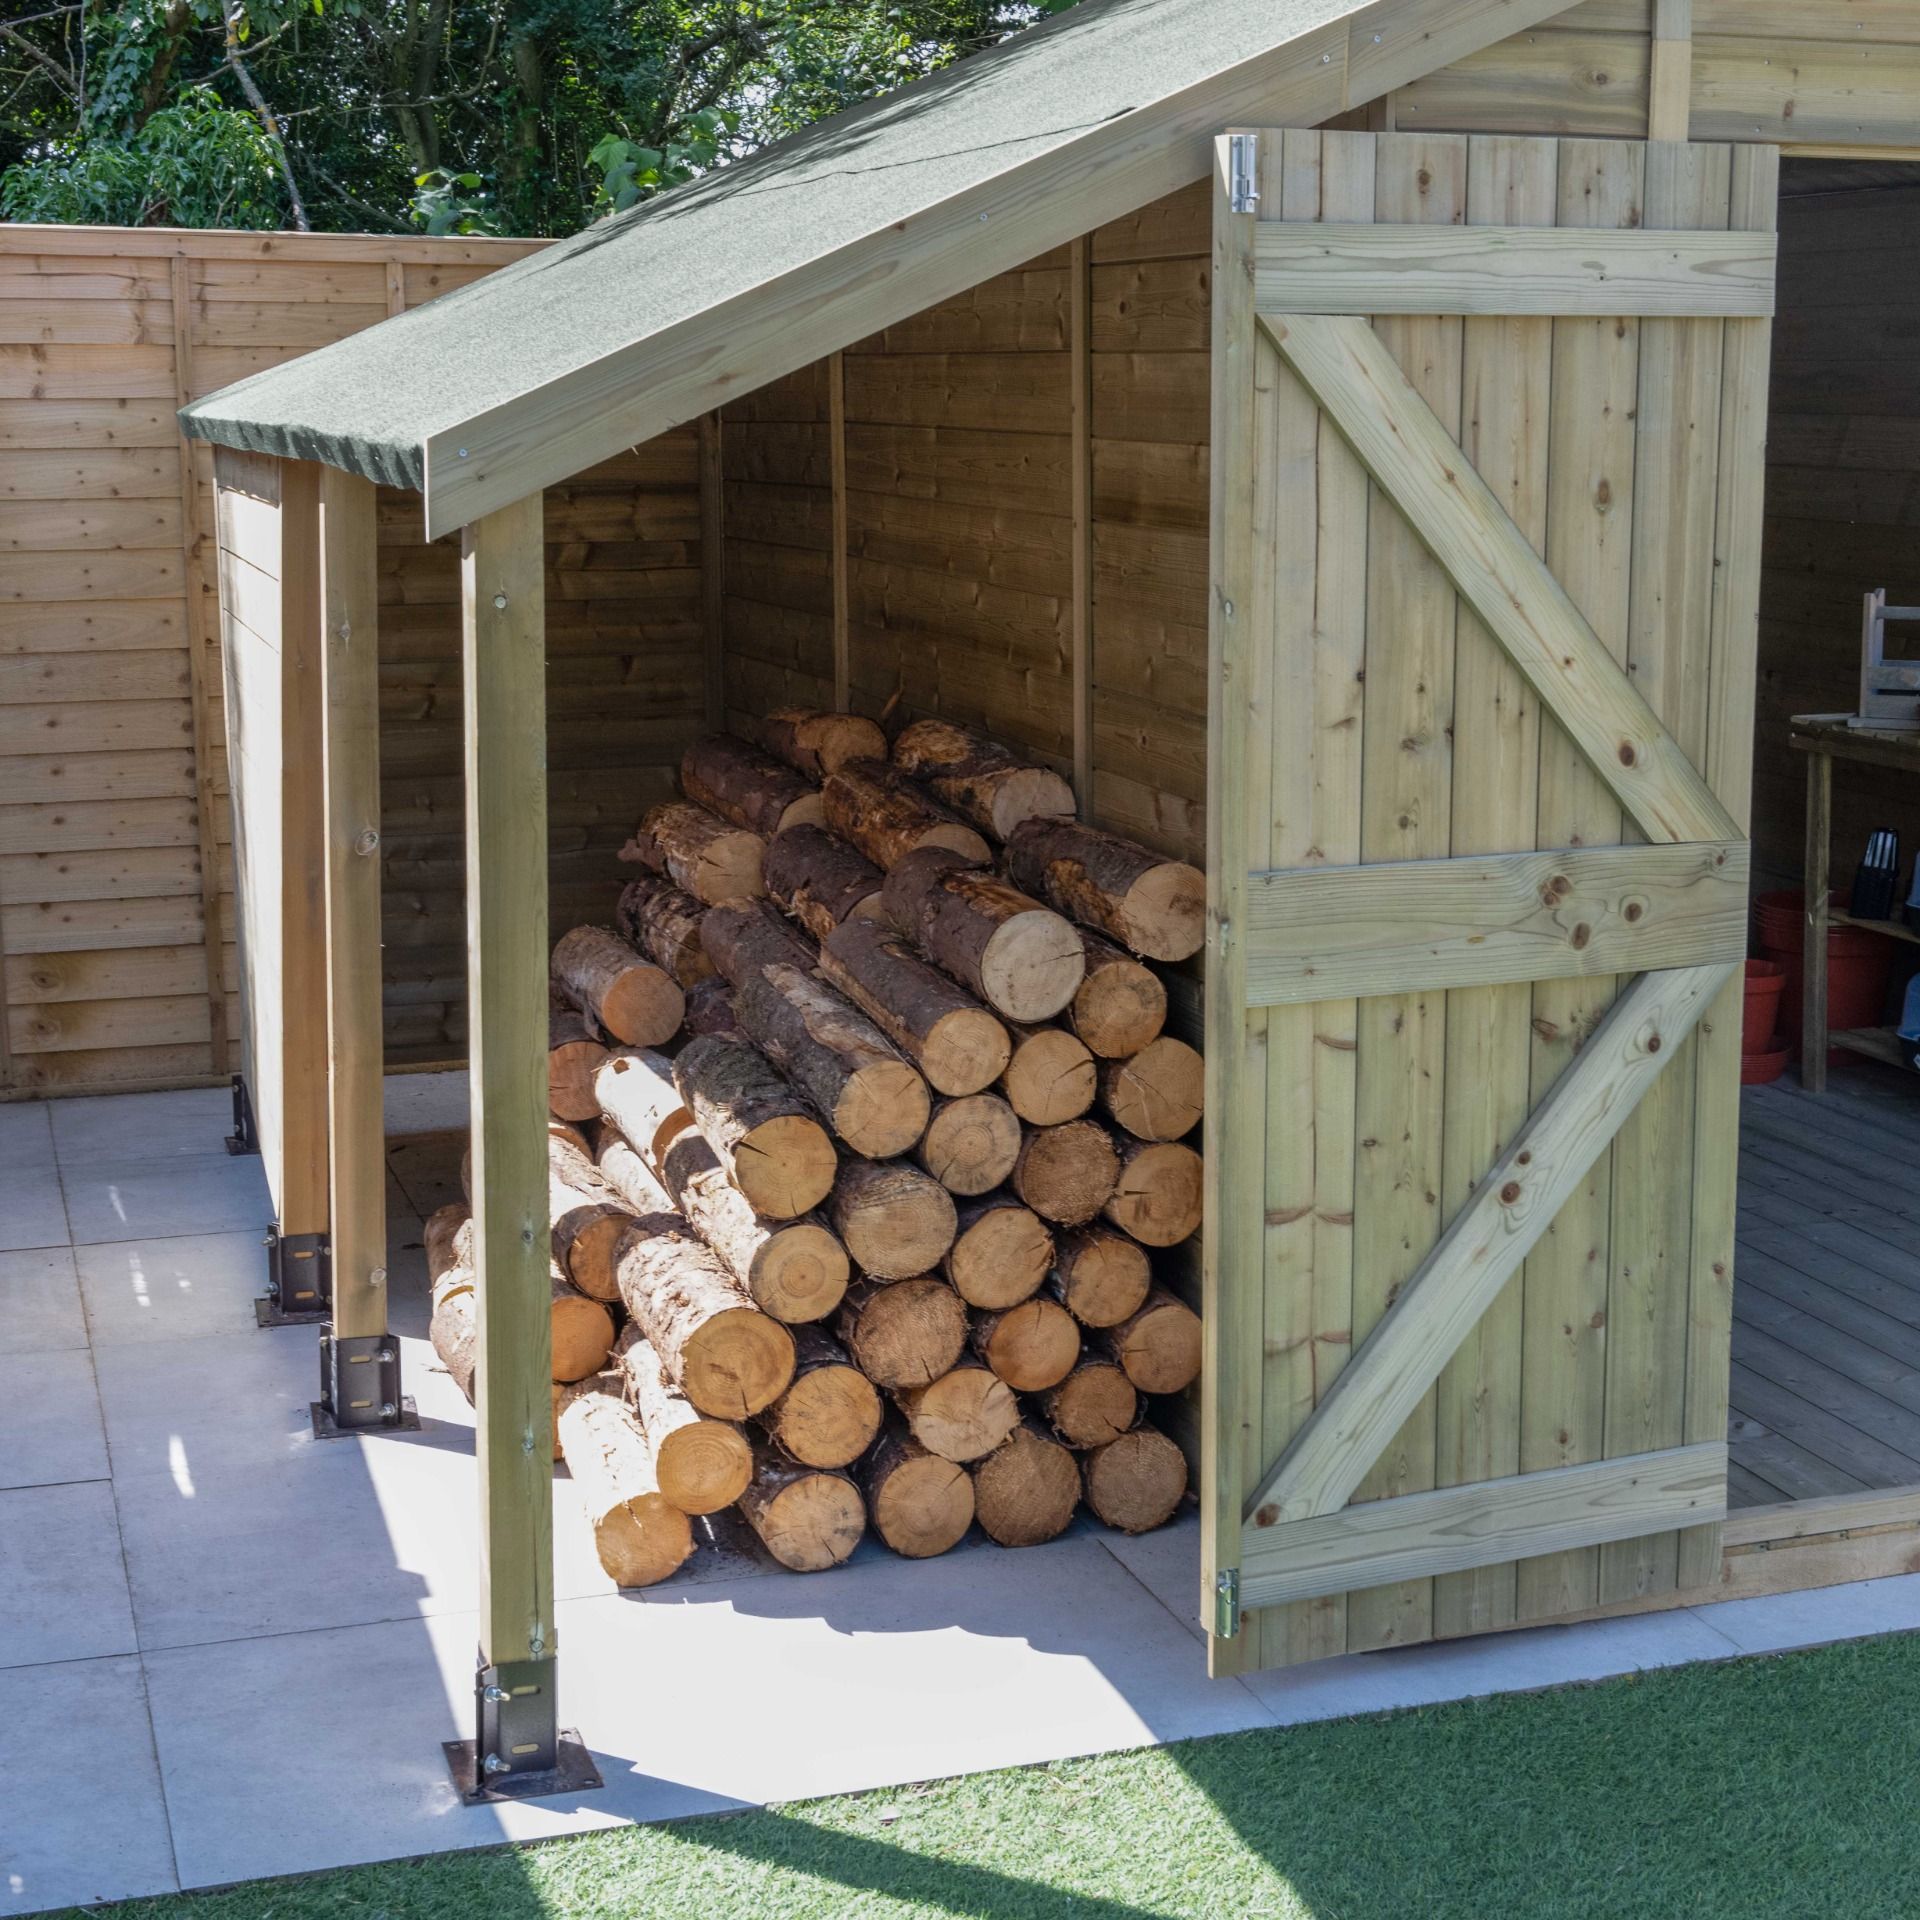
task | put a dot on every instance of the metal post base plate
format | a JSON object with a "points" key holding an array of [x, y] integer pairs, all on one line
{"points": [[245, 1137], [360, 1386], [299, 1280], [326, 1427], [575, 1773]]}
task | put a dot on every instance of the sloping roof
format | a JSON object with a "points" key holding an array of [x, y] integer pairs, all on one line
{"points": [[651, 317]]}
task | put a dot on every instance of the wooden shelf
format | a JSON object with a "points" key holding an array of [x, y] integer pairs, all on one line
{"points": [[1877, 1043], [1893, 929]]}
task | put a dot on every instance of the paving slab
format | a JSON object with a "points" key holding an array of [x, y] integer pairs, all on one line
{"points": [[143, 1126], [1166, 1562], [26, 1132], [63, 1586], [426, 1102], [40, 1307], [87, 1821], [50, 1427], [1775, 1622], [112, 1199], [175, 1287], [33, 1211]]}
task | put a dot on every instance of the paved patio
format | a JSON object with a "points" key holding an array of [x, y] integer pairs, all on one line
{"points": [[228, 1651]]}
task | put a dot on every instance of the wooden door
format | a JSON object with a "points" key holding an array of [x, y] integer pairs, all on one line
{"points": [[1488, 427]]}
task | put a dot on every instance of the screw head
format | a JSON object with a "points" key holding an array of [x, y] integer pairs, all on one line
{"points": [[388, 1410], [500, 601], [497, 1695], [462, 452], [494, 1764]]}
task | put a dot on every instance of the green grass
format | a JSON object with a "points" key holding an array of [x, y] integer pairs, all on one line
{"points": [[1762, 1787]]}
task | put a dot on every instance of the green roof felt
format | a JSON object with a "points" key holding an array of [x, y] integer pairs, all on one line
{"points": [[370, 402]]}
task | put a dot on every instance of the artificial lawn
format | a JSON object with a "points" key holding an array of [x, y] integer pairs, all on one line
{"points": [[1782, 1786]]}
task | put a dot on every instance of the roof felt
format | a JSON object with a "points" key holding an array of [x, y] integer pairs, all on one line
{"points": [[369, 403]]}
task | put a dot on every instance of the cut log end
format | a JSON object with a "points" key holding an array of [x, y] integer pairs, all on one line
{"points": [[882, 1109], [921, 1504], [1136, 1483], [785, 1166], [1032, 965], [893, 1219], [1157, 1197], [1095, 1404], [817, 743], [1031, 1347], [1050, 1078], [1066, 1174], [1000, 1255], [800, 1273], [903, 1333], [963, 1415], [1164, 912], [736, 1364], [971, 1143], [1102, 1277], [1122, 1003], [1158, 1347], [639, 1535], [638, 1003], [1026, 1490], [809, 1520], [828, 1417], [1157, 1094]]}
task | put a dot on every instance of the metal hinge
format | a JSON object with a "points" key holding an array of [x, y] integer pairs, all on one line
{"points": [[1226, 1603], [1243, 164]]}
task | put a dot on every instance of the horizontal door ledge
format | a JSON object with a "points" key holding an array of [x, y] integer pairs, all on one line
{"points": [[1338, 933]]}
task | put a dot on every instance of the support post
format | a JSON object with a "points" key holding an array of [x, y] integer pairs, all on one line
{"points": [[359, 1360], [1813, 970]]}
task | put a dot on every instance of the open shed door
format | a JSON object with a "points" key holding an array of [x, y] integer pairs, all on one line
{"points": [[1488, 425]]}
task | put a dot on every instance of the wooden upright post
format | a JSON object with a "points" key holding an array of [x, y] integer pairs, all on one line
{"points": [[503, 631]]}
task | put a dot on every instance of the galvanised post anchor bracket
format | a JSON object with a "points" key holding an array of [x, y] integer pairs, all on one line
{"points": [[245, 1137], [299, 1280], [360, 1386], [521, 1752]]}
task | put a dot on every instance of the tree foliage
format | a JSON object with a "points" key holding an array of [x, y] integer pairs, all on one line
{"points": [[511, 116]]}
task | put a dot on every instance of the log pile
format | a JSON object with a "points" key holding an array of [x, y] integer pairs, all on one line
{"points": [[879, 1204]]}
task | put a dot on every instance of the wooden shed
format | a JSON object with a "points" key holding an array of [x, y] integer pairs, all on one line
{"points": [[1332, 434]]}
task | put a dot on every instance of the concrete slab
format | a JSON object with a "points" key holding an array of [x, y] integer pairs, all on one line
{"points": [[175, 1288], [26, 1133], [426, 1102], [1776, 1622], [50, 1429], [111, 1199], [142, 1126], [86, 1822], [40, 1308], [1166, 1563], [63, 1587], [33, 1212]]}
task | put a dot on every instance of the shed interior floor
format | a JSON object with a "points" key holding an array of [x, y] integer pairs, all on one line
{"points": [[1826, 1303]]}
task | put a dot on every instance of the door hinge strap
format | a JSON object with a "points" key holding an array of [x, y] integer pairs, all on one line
{"points": [[1226, 1603]]}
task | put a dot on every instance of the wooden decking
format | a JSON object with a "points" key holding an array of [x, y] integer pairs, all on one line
{"points": [[1826, 1305]]}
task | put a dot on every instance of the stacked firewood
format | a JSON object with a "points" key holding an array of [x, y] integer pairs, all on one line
{"points": [[866, 1125]]}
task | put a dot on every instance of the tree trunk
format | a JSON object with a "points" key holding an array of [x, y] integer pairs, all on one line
{"points": [[715, 1345], [635, 1001], [1156, 1095], [921, 1504], [816, 743], [1122, 1002], [710, 1010], [1050, 1078], [963, 1415], [1096, 1403], [760, 1130], [664, 923], [957, 1043], [970, 1143], [574, 1054], [893, 1219], [830, 1414], [871, 1094], [1158, 1348], [822, 881], [1136, 1483], [640, 1535], [748, 787], [1100, 1276], [887, 816], [980, 779], [589, 1217], [1066, 1173], [807, 1519], [1157, 1196], [1021, 958], [1026, 1490], [703, 1465], [635, 1091], [1000, 1253], [1156, 908], [902, 1333], [1031, 1347], [715, 862]]}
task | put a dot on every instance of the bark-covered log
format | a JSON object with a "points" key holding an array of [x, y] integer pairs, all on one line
{"points": [[893, 1219], [980, 779], [806, 1518], [921, 1504], [639, 1004], [748, 787], [903, 1333], [574, 1053], [710, 1009], [1101, 1276], [1136, 1483], [1050, 1077], [1031, 1347], [762, 1132], [955, 1041], [703, 1464], [1094, 1404], [822, 880], [639, 1534], [970, 1143], [1155, 907], [963, 1415], [1020, 957], [634, 1091], [1157, 1094], [817, 743], [1000, 1254], [1066, 1173], [1158, 1348], [829, 1415], [730, 1359], [1157, 1197], [887, 816], [587, 1215], [663, 922], [1122, 1002], [870, 1093], [708, 857], [1025, 1491]]}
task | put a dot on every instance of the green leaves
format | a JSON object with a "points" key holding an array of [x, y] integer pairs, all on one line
{"points": [[451, 203]]}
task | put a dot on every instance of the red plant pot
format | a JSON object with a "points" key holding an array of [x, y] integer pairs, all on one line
{"points": [[1765, 979], [1858, 964]]}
